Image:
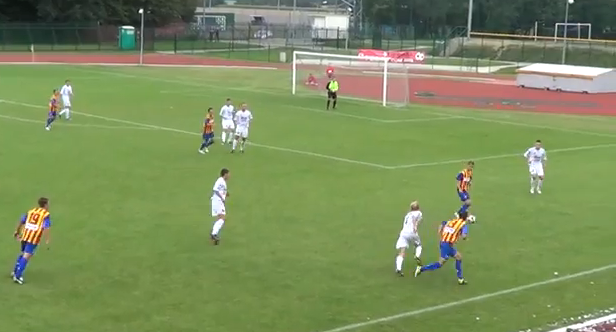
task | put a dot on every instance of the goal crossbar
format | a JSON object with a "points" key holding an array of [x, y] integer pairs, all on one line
{"points": [[578, 25], [385, 61]]}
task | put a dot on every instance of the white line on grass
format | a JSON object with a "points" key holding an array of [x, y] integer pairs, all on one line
{"points": [[319, 155], [333, 113], [455, 161], [270, 147], [444, 115], [470, 299], [521, 124], [14, 118]]}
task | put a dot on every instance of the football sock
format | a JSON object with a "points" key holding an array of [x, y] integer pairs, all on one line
{"points": [[17, 264], [224, 137], [328, 101], [459, 268], [539, 183], [464, 208], [399, 260], [203, 145], [418, 254], [209, 142], [532, 183], [433, 266], [22, 266], [243, 144], [335, 102], [217, 226], [49, 121], [234, 143]]}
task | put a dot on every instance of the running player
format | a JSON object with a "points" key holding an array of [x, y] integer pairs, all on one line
{"points": [[450, 232], [219, 196], [409, 235], [464, 179], [226, 114], [208, 131], [67, 95], [536, 158], [31, 228], [53, 110], [243, 117]]}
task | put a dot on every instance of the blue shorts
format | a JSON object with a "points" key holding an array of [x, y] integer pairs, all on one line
{"points": [[464, 196], [52, 115], [207, 137], [28, 248], [447, 250]]}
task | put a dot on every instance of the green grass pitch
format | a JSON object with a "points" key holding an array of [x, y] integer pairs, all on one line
{"points": [[315, 209]]}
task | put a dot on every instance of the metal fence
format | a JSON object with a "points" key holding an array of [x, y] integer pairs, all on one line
{"points": [[185, 37], [521, 49], [444, 46]]}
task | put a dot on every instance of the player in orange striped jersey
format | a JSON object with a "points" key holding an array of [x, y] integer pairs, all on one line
{"points": [[208, 131], [464, 179], [53, 109], [30, 230], [450, 232]]}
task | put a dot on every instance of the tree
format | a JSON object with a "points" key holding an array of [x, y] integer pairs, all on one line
{"points": [[161, 12]]}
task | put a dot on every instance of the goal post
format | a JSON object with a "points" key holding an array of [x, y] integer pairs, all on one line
{"points": [[579, 34], [360, 77]]}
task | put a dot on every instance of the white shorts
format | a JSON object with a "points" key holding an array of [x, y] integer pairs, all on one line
{"points": [[228, 124], [66, 101], [241, 132], [218, 207], [404, 241], [536, 169]]}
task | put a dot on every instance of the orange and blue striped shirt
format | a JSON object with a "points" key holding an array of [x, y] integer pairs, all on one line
{"points": [[464, 179], [452, 230], [208, 125], [34, 222], [53, 103]]}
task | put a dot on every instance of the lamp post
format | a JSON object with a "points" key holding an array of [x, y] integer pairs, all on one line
{"points": [[142, 12], [564, 55], [469, 19]]}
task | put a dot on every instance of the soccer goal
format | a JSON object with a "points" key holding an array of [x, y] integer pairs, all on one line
{"points": [[581, 30], [376, 79]]}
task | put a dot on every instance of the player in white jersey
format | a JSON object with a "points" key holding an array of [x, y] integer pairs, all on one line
{"points": [[409, 235], [536, 158], [67, 94], [243, 117], [226, 114], [219, 196]]}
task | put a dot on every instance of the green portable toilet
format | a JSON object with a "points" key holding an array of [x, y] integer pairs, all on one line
{"points": [[126, 37]]}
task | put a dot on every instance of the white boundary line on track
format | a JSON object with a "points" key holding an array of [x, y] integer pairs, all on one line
{"points": [[319, 155], [138, 65], [470, 299]]}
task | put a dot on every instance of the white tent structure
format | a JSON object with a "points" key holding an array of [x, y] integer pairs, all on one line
{"points": [[567, 78]]}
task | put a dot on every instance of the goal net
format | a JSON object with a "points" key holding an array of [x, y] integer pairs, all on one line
{"points": [[574, 30], [367, 78]]}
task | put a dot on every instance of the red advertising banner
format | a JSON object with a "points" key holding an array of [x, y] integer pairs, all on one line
{"points": [[395, 56]]}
